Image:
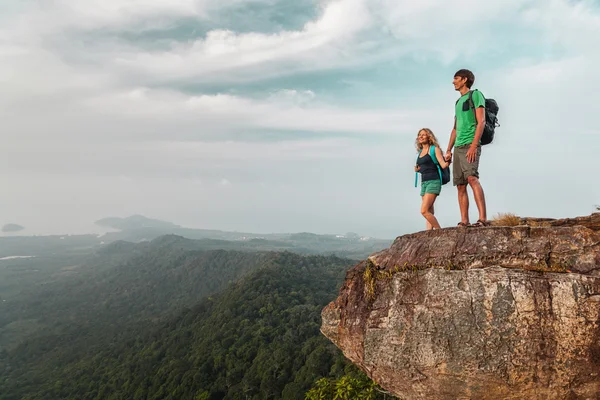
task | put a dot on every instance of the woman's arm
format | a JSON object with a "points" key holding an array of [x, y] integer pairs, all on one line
{"points": [[451, 142], [440, 158]]}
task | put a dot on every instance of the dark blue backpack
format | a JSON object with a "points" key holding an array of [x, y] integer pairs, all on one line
{"points": [[491, 118], [444, 172]]}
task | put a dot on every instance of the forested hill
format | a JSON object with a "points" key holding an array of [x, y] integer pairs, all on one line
{"points": [[137, 282], [257, 338], [130, 330]]}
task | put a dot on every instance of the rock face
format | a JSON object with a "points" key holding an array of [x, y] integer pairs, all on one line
{"points": [[476, 313]]}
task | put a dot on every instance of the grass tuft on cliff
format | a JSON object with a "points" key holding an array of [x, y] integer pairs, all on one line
{"points": [[507, 219]]}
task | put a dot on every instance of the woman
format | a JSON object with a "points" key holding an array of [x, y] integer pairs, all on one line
{"points": [[431, 184]]}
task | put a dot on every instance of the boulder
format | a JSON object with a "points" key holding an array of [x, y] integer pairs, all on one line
{"points": [[476, 313]]}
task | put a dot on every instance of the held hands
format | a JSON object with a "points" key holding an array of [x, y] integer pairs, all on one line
{"points": [[417, 168], [448, 157]]}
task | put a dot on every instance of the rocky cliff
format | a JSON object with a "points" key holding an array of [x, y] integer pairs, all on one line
{"points": [[478, 313]]}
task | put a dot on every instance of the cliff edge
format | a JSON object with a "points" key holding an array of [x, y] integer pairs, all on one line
{"points": [[478, 313]]}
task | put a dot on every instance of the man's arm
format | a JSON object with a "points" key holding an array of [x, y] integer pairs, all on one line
{"points": [[451, 142], [480, 116], [441, 160]]}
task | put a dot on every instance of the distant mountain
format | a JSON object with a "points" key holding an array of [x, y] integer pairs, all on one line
{"points": [[12, 228], [138, 228], [134, 222]]}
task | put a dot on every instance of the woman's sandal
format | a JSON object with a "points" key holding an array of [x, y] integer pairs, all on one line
{"points": [[462, 224], [480, 223]]}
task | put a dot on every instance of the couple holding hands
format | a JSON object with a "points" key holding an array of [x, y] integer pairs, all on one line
{"points": [[469, 124]]}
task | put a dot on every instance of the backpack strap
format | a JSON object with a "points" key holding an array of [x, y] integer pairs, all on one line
{"points": [[471, 104], [470, 100], [432, 154], [435, 161], [416, 173]]}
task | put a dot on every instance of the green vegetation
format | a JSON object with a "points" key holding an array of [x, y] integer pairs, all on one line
{"points": [[164, 320], [354, 386], [20, 273], [112, 287]]}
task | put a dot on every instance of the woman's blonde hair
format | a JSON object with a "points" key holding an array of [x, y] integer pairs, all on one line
{"points": [[432, 139]]}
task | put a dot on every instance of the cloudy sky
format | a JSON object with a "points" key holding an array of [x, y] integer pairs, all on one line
{"points": [[287, 115]]}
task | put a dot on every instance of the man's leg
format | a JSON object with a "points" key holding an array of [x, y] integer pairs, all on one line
{"points": [[463, 203], [472, 175], [458, 170], [479, 197]]}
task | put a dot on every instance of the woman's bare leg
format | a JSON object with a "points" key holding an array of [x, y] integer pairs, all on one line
{"points": [[427, 223], [427, 211]]}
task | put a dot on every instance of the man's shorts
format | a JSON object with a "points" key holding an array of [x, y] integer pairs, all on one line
{"points": [[432, 187], [461, 168]]}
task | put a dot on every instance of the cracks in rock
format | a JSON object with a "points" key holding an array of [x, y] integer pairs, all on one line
{"points": [[537, 313], [415, 374], [548, 258], [427, 262], [460, 240], [522, 245], [472, 302], [550, 299], [510, 285], [428, 252]]}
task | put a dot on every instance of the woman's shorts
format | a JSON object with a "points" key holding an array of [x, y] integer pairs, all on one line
{"points": [[432, 187]]}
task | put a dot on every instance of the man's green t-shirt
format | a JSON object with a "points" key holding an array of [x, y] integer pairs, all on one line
{"points": [[466, 124]]}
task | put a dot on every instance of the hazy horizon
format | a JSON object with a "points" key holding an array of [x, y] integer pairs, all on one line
{"points": [[269, 116], [92, 228]]}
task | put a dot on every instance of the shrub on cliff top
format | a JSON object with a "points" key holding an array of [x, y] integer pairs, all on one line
{"points": [[507, 219]]}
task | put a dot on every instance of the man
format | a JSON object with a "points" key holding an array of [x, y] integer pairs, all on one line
{"points": [[467, 131]]}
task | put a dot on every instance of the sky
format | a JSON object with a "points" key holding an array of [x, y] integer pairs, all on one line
{"points": [[288, 115]]}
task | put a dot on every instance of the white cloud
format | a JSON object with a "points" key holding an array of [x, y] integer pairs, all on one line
{"points": [[572, 24], [83, 109], [243, 152], [61, 15], [35, 73], [101, 13], [347, 33], [93, 108], [442, 31], [320, 44], [292, 96]]}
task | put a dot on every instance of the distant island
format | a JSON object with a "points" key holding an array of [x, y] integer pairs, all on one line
{"points": [[12, 228], [134, 222]]}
